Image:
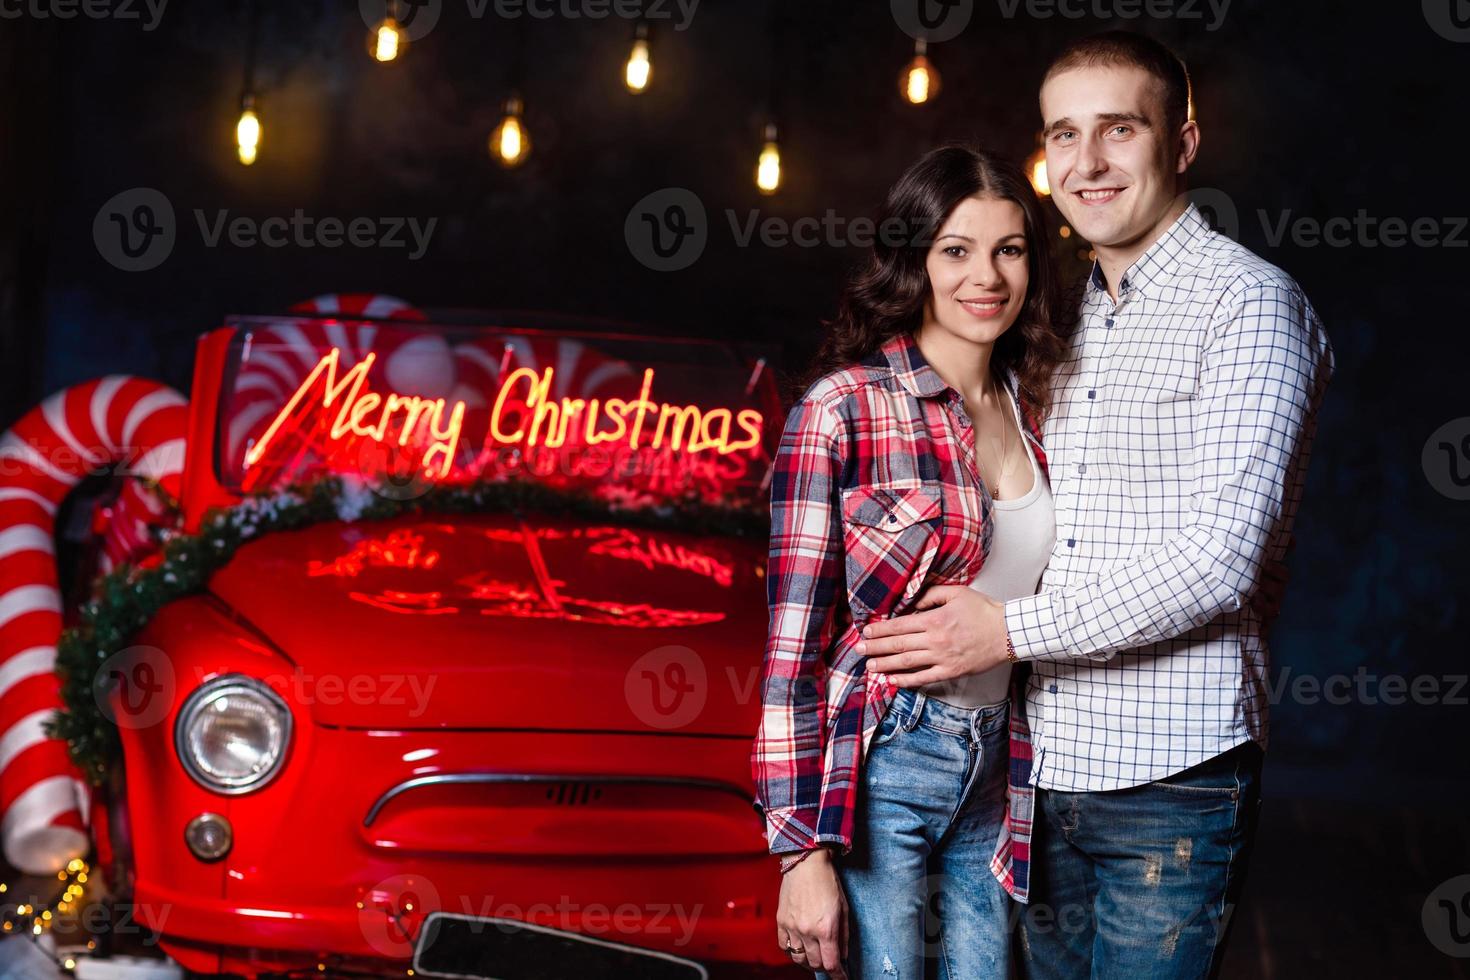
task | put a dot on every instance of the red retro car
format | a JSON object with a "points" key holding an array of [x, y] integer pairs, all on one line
{"points": [[504, 741]]}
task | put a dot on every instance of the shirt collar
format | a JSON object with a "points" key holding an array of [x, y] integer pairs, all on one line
{"points": [[1160, 260], [901, 353]]}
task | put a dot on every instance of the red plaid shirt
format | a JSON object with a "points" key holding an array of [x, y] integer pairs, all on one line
{"points": [[875, 496]]}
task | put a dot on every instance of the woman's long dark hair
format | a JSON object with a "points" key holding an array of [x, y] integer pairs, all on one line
{"points": [[887, 295]]}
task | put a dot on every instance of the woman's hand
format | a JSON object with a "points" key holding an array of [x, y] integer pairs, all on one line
{"points": [[811, 916]]}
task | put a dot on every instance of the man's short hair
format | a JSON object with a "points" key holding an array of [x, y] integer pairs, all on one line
{"points": [[1124, 48]]}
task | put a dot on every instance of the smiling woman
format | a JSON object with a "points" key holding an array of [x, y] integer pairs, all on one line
{"points": [[885, 483]]}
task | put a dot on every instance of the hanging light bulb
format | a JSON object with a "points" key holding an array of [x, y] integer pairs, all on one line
{"points": [[388, 39], [768, 169], [1036, 172], [510, 143], [919, 82], [247, 131], [639, 68]]}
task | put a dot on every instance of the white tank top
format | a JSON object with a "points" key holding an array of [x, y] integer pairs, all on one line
{"points": [[1021, 543]]}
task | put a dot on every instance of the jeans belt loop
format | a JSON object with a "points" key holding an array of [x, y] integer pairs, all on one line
{"points": [[917, 712]]}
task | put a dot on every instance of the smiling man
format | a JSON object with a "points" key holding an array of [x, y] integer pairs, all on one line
{"points": [[1182, 420]]}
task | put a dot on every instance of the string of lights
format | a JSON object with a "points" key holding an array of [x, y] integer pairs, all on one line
{"points": [[25, 917], [510, 141]]}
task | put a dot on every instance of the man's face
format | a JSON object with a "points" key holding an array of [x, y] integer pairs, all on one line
{"points": [[1111, 163]]}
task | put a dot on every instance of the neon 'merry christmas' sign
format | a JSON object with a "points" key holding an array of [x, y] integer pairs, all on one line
{"points": [[706, 429], [359, 405], [544, 420]]}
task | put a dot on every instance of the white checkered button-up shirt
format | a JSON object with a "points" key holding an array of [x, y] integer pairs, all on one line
{"points": [[1182, 421]]}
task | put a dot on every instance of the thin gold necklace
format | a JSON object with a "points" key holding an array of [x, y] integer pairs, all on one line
{"points": [[1005, 440]]}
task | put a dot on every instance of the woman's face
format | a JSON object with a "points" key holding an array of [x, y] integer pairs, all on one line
{"points": [[978, 269]]}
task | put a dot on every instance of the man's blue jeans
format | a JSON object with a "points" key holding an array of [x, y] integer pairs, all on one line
{"points": [[1141, 882], [918, 882]]}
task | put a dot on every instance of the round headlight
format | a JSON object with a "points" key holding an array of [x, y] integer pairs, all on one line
{"points": [[232, 734]]}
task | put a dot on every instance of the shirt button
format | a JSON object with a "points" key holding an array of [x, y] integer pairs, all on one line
{"points": [[892, 518], [1092, 393], [1052, 689], [1110, 321], [1081, 467], [1071, 542], [1201, 620]]}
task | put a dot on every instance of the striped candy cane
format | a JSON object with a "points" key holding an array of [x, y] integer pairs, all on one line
{"points": [[76, 432], [350, 305]]}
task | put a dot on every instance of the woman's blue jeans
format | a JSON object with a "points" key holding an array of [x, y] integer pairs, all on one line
{"points": [[922, 900]]}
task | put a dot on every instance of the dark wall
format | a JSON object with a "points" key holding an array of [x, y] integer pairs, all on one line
{"points": [[1309, 110]]}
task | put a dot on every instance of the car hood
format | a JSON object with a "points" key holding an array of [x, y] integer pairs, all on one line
{"points": [[500, 622]]}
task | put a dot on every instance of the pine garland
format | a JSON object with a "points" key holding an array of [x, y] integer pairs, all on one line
{"points": [[126, 599]]}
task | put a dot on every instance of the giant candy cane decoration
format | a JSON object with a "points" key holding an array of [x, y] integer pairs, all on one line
{"points": [[78, 431]]}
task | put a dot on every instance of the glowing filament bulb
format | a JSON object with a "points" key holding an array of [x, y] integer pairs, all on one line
{"points": [[510, 143], [768, 169], [247, 132], [919, 82], [386, 42], [639, 68], [1036, 172]]}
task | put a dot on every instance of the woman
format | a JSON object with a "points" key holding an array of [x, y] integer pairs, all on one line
{"points": [[911, 461]]}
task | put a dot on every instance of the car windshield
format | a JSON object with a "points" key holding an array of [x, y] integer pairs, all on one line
{"points": [[410, 404]]}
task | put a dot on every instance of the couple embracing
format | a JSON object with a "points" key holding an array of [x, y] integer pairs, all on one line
{"points": [[1025, 548]]}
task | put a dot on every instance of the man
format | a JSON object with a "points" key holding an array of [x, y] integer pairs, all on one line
{"points": [[1179, 436]]}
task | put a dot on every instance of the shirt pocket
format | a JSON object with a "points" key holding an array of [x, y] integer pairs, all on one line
{"points": [[891, 535]]}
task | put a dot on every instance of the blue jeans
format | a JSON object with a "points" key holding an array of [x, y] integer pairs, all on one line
{"points": [[918, 882], [1141, 882]]}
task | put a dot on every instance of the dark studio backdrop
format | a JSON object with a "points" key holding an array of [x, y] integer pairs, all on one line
{"points": [[1310, 112]]}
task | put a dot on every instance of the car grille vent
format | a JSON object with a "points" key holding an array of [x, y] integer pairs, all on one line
{"points": [[573, 793]]}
